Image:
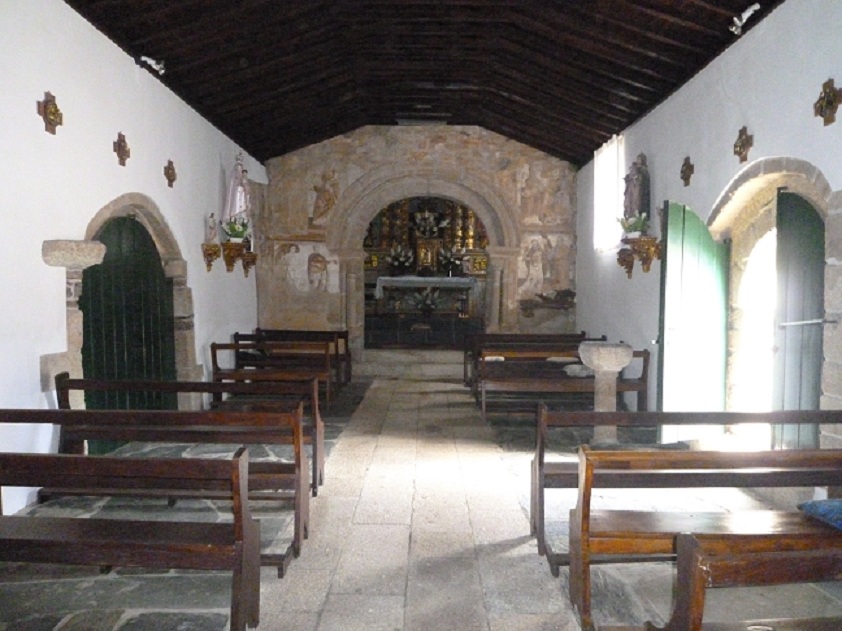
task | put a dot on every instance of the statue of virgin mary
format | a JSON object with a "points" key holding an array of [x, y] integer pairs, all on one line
{"points": [[238, 200]]}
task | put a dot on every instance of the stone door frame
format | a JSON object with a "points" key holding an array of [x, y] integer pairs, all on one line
{"points": [[747, 208], [75, 256]]}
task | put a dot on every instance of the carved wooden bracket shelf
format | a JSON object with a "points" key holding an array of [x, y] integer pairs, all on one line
{"points": [[643, 249], [231, 253]]}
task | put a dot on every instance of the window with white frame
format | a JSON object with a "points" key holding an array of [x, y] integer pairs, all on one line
{"points": [[609, 170]]}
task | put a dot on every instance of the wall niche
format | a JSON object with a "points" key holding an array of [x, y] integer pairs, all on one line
{"points": [[437, 237], [439, 247]]}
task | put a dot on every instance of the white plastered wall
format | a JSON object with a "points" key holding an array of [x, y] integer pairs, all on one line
{"points": [[767, 81], [52, 187]]}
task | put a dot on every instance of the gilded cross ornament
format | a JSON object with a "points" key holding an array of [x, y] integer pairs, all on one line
{"points": [[743, 144], [169, 173], [121, 148], [687, 170], [49, 111], [828, 102]]}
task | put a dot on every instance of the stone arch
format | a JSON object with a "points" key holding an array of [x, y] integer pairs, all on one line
{"points": [[144, 210], [361, 201], [745, 212], [758, 183]]}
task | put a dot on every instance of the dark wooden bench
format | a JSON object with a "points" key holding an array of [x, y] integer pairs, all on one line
{"points": [[555, 474], [339, 341], [521, 377], [274, 361], [637, 535], [244, 396], [233, 546], [710, 561], [269, 481], [475, 342]]}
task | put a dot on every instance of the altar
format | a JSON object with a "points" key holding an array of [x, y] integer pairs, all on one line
{"points": [[420, 283], [426, 294]]}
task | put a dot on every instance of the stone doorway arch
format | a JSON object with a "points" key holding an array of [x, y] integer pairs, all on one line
{"points": [[745, 212], [75, 256], [349, 219]]}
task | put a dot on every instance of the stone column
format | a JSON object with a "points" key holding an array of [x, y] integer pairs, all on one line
{"points": [[74, 256], [502, 279], [606, 359], [352, 290]]}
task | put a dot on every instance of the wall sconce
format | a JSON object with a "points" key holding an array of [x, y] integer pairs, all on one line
{"points": [[231, 251], [211, 252], [238, 251], [644, 249]]}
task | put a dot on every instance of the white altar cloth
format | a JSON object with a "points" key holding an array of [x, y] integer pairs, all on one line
{"points": [[422, 282]]}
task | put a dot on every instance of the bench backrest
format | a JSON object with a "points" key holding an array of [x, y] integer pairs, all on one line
{"points": [[475, 341], [277, 427], [548, 418], [338, 338], [307, 387], [104, 473], [738, 560], [642, 356], [269, 354], [538, 352], [688, 469]]}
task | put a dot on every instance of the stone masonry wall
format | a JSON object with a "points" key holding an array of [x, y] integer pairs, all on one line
{"points": [[300, 279]]}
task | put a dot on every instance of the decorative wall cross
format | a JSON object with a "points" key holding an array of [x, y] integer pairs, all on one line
{"points": [[828, 102], [48, 110], [743, 144], [121, 148], [687, 170], [169, 173]]}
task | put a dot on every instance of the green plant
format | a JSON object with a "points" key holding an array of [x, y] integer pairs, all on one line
{"points": [[236, 227], [635, 223]]}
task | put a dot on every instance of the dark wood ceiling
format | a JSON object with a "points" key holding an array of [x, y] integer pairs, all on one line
{"points": [[560, 75]]}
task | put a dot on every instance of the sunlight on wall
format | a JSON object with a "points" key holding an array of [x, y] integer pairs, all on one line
{"points": [[752, 376], [753, 358], [609, 169]]}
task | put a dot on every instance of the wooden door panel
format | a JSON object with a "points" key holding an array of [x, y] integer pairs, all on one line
{"points": [[694, 299], [127, 304], [800, 312]]}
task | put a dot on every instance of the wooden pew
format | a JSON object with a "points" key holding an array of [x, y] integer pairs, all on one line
{"points": [[224, 395], [710, 561], [553, 474], [233, 547], [635, 535], [272, 481], [338, 340], [533, 372], [274, 361], [475, 342]]}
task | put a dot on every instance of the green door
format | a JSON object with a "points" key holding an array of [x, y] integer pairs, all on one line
{"points": [[127, 307], [693, 326], [800, 313]]}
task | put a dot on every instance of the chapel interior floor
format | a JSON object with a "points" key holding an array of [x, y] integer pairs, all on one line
{"points": [[422, 523]]}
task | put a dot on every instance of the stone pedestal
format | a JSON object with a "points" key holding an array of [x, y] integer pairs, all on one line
{"points": [[606, 359]]}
